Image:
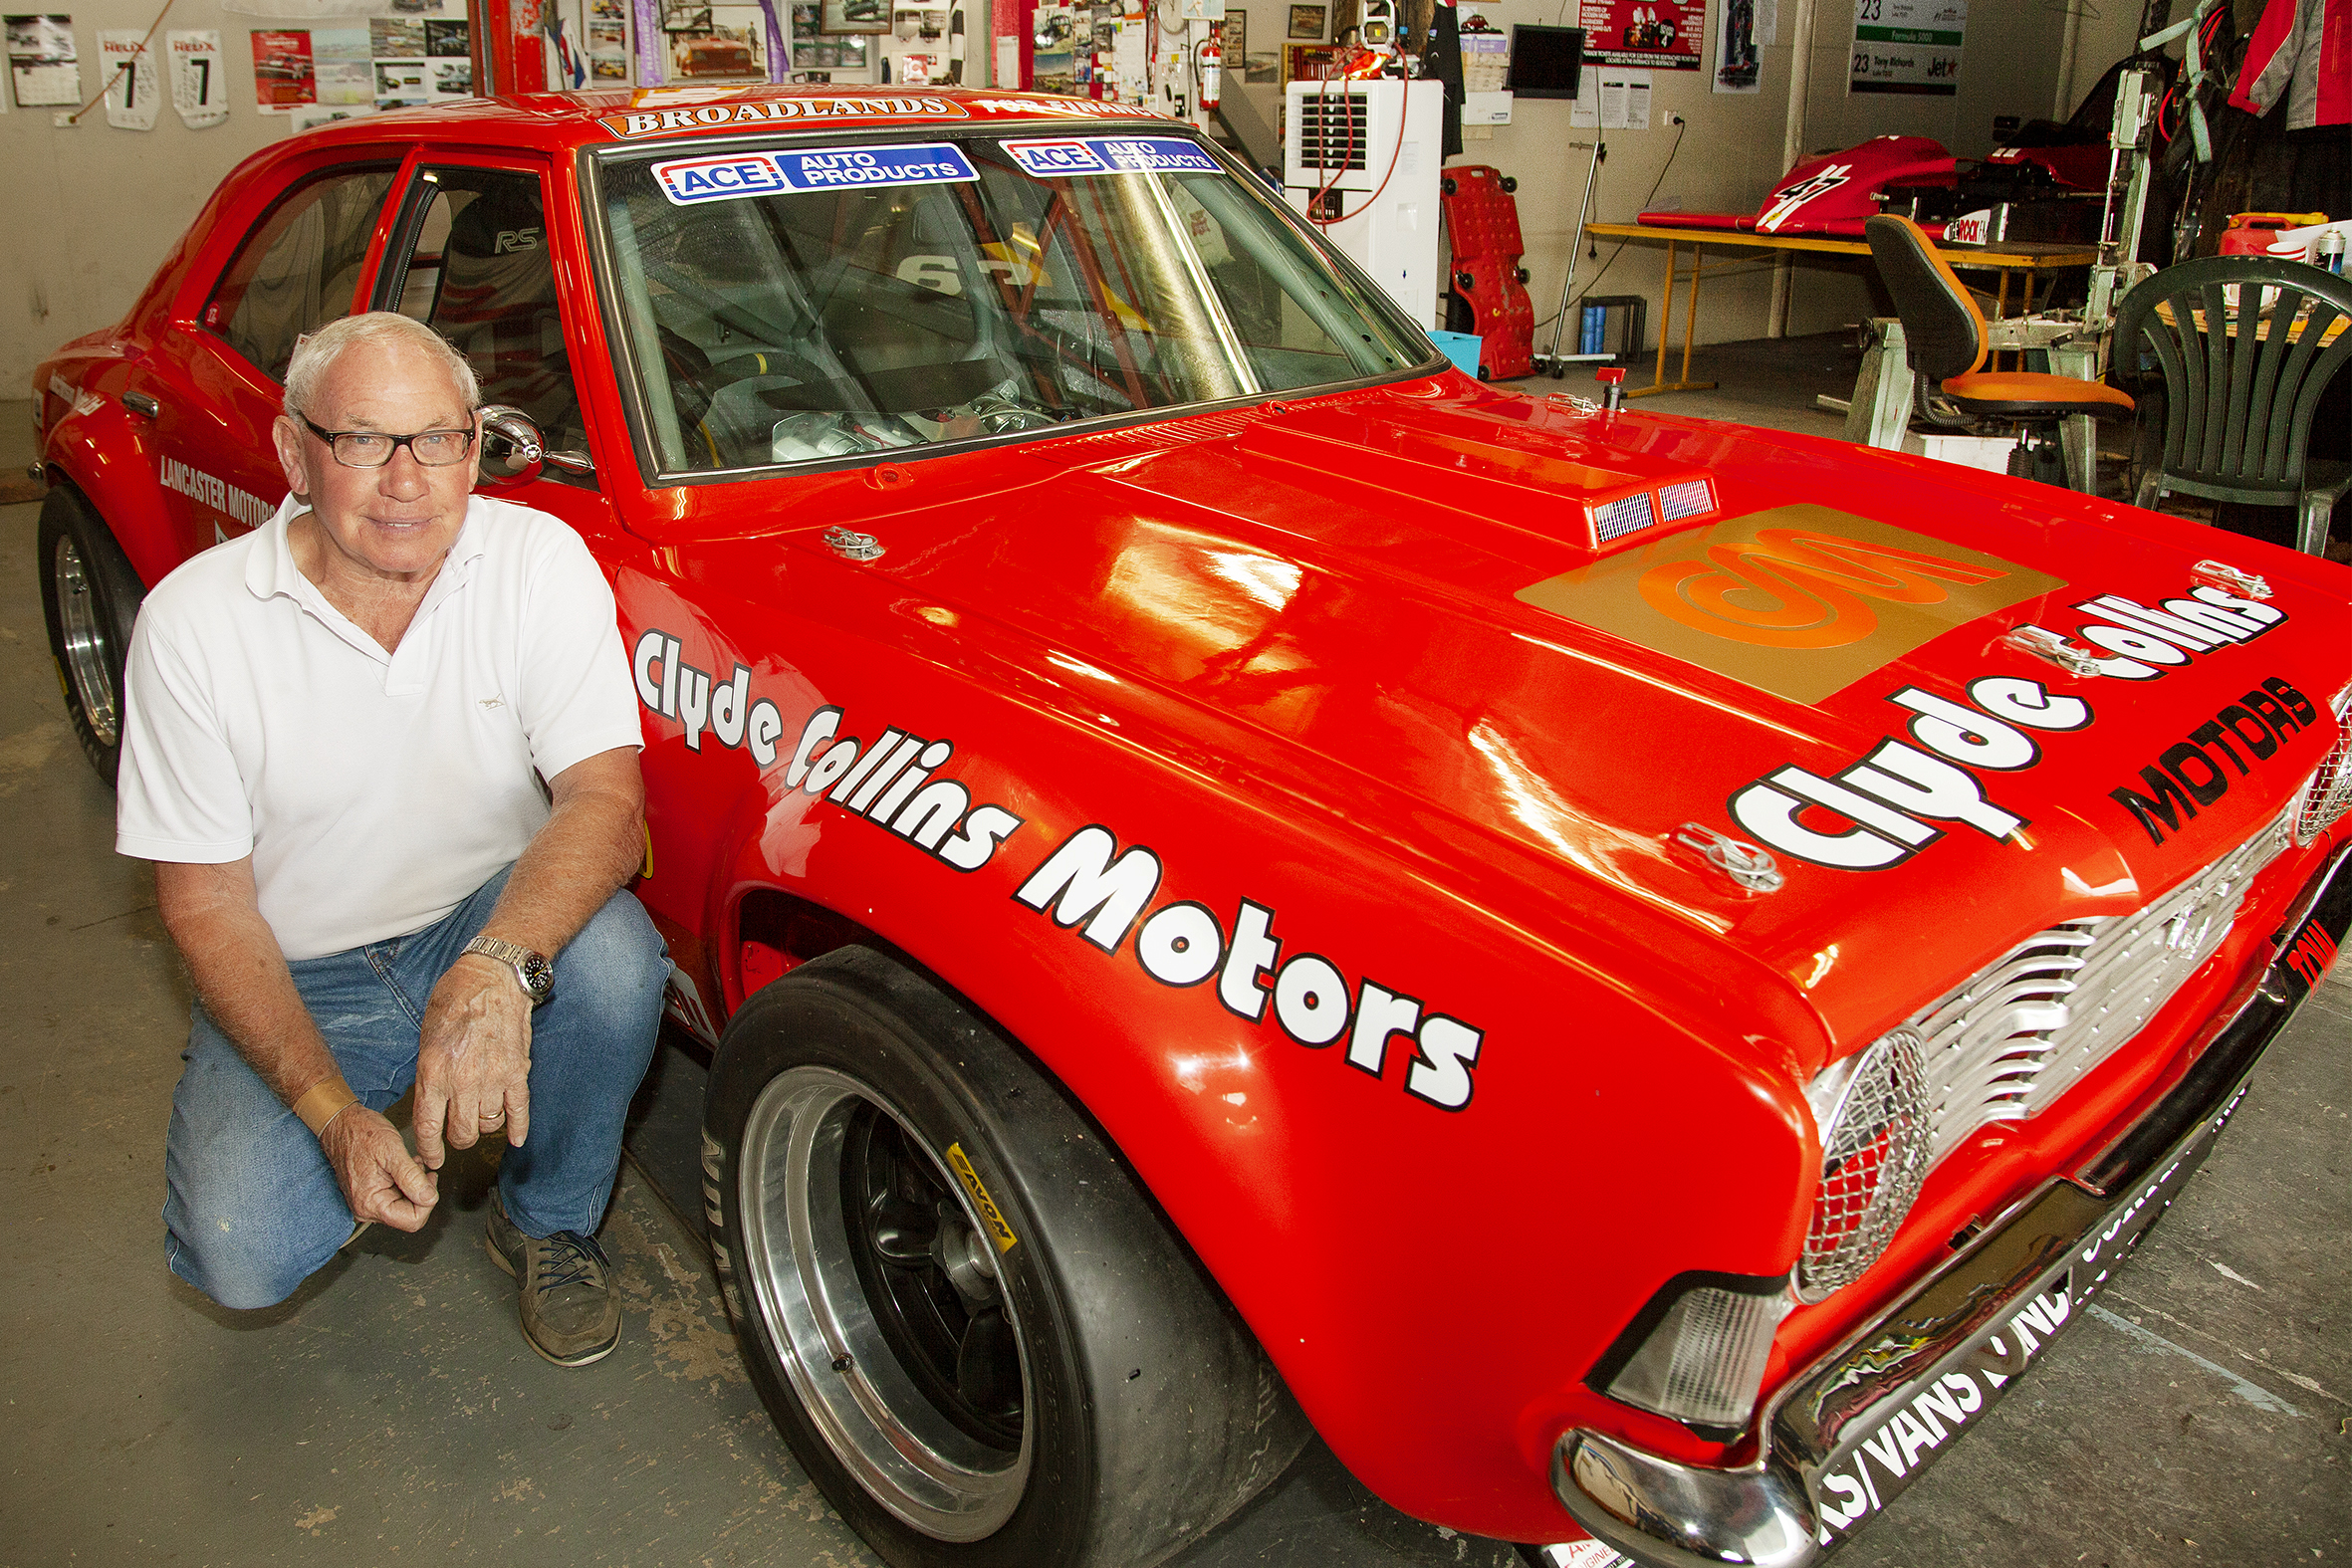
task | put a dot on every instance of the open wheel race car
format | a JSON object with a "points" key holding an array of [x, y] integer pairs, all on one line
{"points": [[1167, 803]]}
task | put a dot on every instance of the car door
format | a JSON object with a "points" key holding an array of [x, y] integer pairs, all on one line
{"points": [[214, 392], [473, 256]]}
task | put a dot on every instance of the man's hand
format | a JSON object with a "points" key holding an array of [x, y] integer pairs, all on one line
{"points": [[378, 1177], [473, 1063]]}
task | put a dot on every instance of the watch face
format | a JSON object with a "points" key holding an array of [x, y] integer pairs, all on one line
{"points": [[537, 976]]}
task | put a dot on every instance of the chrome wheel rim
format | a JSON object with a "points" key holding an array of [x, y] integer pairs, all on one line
{"points": [[85, 638], [832, 1288]]}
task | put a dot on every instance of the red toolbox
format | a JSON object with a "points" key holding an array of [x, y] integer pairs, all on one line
{"points": [[1489, 294]]}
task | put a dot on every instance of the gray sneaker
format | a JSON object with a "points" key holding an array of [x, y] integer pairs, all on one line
{"points": [[571, 1312]]}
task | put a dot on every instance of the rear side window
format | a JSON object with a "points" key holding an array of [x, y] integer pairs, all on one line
{"points": [[298, 270], [480, 270]]}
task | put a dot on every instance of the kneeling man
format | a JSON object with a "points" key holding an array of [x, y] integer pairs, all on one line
{"points": [[337, 730]]}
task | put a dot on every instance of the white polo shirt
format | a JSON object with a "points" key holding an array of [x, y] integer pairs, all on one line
{"points": [[374, 790]]}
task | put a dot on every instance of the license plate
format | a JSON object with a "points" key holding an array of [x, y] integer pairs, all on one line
{"points": [[1884, 1453], [2306, 955]]}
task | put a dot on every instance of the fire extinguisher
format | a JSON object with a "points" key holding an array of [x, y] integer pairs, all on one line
{"points": [[1210, 68]]}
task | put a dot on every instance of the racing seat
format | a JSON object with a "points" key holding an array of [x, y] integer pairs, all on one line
{"points": [[1946, 336], [497, 305]]}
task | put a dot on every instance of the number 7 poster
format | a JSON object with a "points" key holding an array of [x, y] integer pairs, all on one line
{"points": [[1908, 46], [199, 86]]}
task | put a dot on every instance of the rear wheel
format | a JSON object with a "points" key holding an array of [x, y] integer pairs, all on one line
{"points": [[90, 596], [973, 1328]]}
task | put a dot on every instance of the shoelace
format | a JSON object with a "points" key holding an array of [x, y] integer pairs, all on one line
{"points": [[571, 1260]]}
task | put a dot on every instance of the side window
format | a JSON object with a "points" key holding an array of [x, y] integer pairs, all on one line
{"points": [[479, 270], [297, 270]]}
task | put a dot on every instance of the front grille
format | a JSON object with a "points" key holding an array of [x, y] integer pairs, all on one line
{"points": [[1874, 1160], [2005, 1046], [1331, 131], [2330, 794]]}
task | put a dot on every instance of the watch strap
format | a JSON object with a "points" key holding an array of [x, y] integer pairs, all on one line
{"points": [[522, 960], [504, 951], [322, 1102]]}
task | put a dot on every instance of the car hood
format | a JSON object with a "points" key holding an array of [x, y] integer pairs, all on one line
{"points": [[1392, 611]]}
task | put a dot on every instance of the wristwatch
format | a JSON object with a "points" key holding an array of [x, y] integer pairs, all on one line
{"points": [[534, 972]]}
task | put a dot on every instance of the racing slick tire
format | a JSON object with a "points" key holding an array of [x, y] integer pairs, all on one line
{"points": [[972, 1327], [90, 596]]}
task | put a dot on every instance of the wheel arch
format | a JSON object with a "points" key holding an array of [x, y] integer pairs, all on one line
{"points": [[1040, 987], [1031, 1143], [126, 498]]}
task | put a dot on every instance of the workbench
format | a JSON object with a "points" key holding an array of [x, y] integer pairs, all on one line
{"points": [[2004, 258]]}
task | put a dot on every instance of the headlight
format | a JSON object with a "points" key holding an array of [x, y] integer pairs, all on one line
{"points": [[1873, 1112], [1696, 1352], [2330, 793]]}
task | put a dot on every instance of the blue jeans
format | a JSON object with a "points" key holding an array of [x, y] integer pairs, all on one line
{"points": [[253, 1207]]}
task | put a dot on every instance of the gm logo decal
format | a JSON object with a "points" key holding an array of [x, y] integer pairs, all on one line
{"points": [[1798, 601]]}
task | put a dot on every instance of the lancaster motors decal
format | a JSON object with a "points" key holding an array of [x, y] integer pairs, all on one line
{"points": [[1799, 601], [1087, 884], [210, 489]]}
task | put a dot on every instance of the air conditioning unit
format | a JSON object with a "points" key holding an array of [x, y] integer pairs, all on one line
{"points": [[1361, 159]]}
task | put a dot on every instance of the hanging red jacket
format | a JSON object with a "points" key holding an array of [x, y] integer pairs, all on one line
{"points": [[2301, 49]]}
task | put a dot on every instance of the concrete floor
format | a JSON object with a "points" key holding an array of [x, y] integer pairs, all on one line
{"points": [[391, 1412]]}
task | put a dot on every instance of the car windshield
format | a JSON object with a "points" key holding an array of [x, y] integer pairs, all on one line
{"points": [[800, 302]]}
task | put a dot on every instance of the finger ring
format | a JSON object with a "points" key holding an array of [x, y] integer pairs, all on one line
{"points": [[495, 1116]]}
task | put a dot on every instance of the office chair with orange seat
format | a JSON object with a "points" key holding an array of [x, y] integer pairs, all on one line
{"points": [[1946, 336]]}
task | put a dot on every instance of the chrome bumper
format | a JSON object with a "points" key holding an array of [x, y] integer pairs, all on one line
{"points": [[1854, 1430]]}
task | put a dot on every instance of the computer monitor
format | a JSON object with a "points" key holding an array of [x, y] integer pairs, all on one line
{"points": [[1545, 61]]}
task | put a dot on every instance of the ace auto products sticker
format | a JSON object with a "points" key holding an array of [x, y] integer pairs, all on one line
{"points": [[1087, 884], [688, 181], [1056, 158]]}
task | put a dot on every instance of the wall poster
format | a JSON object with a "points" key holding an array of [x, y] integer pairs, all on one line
{"points": [[609, 41], [284, 76], [1662, 35], [1738, 66], [133, 85], [43, 65], [199, 86], [344, 62], [1908, 46]]}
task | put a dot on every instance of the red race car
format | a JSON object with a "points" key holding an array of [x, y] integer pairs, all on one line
{"points": [[1629, 970]]}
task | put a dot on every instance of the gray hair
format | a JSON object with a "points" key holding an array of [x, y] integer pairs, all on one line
{"points": [[315, 354]]}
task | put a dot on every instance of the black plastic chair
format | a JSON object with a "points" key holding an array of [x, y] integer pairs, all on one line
{"points": [[2238, 404], [1945, 335]]}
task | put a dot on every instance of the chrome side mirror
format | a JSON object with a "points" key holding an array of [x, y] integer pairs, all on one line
{"points": [[512, 450]]}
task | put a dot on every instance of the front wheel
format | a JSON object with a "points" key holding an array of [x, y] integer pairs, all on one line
{"points": [[90, 596], [972, 1327]]}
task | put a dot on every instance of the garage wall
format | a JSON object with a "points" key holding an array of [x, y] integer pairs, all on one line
{"points": [[1730, 152], [90, 211]]}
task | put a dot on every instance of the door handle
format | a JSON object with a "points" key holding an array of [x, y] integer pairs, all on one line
{"points": [[141, 405]]}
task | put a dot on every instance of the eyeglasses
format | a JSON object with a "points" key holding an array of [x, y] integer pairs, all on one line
{"points": [[373, 449]]}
